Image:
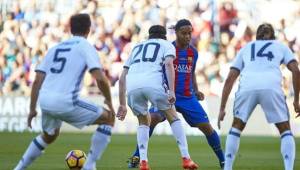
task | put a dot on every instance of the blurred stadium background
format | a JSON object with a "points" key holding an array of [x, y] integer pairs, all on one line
{"points": [[221, 27]]}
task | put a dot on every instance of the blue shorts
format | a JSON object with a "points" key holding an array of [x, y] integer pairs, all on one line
{"points": [[190, 109]]}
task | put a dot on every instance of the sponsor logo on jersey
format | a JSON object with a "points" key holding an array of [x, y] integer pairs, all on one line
{"points": [[183, 68]]}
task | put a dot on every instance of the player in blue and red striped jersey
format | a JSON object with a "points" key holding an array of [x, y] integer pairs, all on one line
{"points": [[187, 93]]}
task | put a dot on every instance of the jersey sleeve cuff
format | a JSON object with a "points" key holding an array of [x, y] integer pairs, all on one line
{"points": [[170, 55], [40, 71], [235, 68], [126, 67], [292, 60], [94, 68]]}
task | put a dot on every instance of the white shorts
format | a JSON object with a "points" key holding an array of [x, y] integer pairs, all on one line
{"points": [[273, 104], [138, 100], [83, 113]]}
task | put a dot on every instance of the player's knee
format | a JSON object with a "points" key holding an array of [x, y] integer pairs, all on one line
{"points": [[50, 138], [155, 119], [206, 128], [109, 118], [144, 119], [239, 124], [283, 126]]}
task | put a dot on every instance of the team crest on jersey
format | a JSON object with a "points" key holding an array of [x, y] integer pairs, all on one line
{"points": [[190, 58]]}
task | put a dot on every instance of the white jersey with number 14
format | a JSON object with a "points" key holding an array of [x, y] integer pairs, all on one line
{"points": [[259, 65]]}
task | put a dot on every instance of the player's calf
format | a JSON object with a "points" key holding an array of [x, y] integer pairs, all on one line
{"points": [[287, 145], [213, 140], [100, 139]]}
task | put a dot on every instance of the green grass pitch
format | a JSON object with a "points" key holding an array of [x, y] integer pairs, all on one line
{"points": [[257, 153]]}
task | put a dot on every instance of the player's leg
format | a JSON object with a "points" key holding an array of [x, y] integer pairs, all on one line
{"points": [[276, 111], [179, 134], [86, 113], [138, 102], [287, 145], [160, 100], [195, 116], [51, 129], [233, 142], [100, 139], [143, 136], [213, 140], [156, 117], [244, 105]]}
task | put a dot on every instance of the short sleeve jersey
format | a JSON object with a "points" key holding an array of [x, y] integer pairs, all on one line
{"points": [[259, 64], [145, 64], [65, 65]]}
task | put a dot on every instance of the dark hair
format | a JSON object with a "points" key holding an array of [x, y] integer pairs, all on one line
{"points": [[181, 23], [265, 31], [80, 24], [157, 31]]}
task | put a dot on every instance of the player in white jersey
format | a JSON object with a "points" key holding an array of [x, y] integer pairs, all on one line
{"points": [[260, 83], [57, 84], [142, 77]]}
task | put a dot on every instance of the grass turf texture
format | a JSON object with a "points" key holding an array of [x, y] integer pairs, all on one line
{"points": [[259, 153]]}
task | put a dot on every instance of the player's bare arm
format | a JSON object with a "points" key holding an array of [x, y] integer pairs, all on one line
{"points": [[171, 78], [293, 67], [104, 87], [232, 76], [39, 78], [199, 94], [122, 111]]}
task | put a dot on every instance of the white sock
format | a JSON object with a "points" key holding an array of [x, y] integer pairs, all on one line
{"points": [[180, 137], [99, 142], [33, 151], [143, 139], [288, 149], [231, 148]]}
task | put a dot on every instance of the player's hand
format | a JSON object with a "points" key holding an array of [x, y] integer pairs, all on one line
{"points": [[122, 111], [171, 97], [199, 95], [221, 117], [297, 108], [31, 115]]}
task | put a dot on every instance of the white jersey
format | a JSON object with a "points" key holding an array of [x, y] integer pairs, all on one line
{"points": [[259, 65], [145, 64], [64, 66]]}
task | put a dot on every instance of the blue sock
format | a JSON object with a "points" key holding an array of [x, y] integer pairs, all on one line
{"points": [[136, 153], [214, 142]]}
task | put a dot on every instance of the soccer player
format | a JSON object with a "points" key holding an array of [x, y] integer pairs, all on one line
{"points": [[57, 85], [260, 83], [187, 93], [142, 78]]}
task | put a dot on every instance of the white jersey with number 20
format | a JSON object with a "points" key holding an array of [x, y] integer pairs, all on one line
{"points": [[145, 64]]}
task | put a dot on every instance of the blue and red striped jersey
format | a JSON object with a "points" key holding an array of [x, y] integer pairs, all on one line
{"points": [[185, 64]]}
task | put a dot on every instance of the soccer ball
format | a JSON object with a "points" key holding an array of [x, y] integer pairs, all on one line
{"points": [[75, 159]]}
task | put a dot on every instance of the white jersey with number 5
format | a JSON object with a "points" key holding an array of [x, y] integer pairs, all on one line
{"points": [[64, 66], [145, 64], [259, 64]]}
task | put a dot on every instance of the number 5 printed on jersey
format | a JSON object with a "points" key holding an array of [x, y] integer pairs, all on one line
{"points": [[261, 53], [58, 58]]}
